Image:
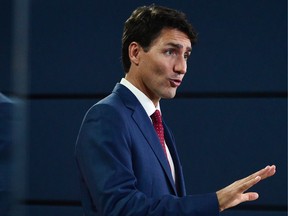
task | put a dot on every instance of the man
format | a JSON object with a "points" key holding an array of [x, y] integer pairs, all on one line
{"points": [[6, 119], [126, 165]]}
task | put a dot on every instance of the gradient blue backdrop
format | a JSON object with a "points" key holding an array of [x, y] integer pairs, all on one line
{"points": [[229, 118]]}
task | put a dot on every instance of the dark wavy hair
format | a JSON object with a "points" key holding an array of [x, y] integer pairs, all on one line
{"points": [[145, 25]]}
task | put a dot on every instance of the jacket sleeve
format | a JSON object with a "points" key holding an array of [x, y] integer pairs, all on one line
{"points": [[103, 156]]}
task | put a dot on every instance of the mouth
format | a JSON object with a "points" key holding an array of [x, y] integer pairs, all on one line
{"points": [[175, 82]]}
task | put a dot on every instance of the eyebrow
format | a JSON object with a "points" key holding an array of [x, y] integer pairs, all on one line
{"points": [[179, 46]]}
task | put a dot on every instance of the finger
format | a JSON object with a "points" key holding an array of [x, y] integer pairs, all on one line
{"points": [[253, 179], [266, 172], [263, 173], [248, 184], [270, 172], [251, 196]]}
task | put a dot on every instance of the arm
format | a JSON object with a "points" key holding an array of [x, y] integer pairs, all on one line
{"points": [[234, 193]]}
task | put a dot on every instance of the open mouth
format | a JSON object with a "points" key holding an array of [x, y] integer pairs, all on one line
{"points": [[175, 82]]}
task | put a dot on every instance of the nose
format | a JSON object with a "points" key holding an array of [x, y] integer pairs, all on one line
{"points": [[180, 65]]}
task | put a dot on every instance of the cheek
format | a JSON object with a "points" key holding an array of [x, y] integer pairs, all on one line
{"points": [[157, 68], [161, 68]]}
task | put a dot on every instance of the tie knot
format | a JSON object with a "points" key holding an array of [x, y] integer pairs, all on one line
{"points": [[156, 117]]}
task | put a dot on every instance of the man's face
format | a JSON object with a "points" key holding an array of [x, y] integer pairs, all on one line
{"points": [[162, 68]]}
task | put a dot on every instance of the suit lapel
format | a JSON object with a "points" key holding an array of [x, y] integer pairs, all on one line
{"points": [[150, 135], [145, 125], [179, 178]]}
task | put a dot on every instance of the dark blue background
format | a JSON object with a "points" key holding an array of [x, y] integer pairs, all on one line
{"points": [[229, 117]]}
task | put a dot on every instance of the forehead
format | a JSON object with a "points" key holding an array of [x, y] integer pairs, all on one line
{"points": [[174, 36]]}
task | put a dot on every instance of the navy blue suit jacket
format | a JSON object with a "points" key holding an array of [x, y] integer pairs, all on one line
{"points": [[123, 168]]}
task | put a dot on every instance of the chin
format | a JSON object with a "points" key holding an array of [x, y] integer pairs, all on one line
{"points": [[169, 96]]}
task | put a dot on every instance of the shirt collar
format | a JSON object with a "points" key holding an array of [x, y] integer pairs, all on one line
{"points": [[142, 98]]}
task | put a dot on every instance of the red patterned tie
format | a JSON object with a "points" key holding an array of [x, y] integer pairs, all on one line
{"points": [[157, 123]]}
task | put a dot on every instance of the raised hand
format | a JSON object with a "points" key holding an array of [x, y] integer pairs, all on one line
{"points": [[234, 193]]}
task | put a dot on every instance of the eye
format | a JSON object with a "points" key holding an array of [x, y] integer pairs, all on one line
{"points": [[170, 52], [186, 56]]}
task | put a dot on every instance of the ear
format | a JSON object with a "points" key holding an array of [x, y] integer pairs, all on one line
{"points": [[134, 53]]}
